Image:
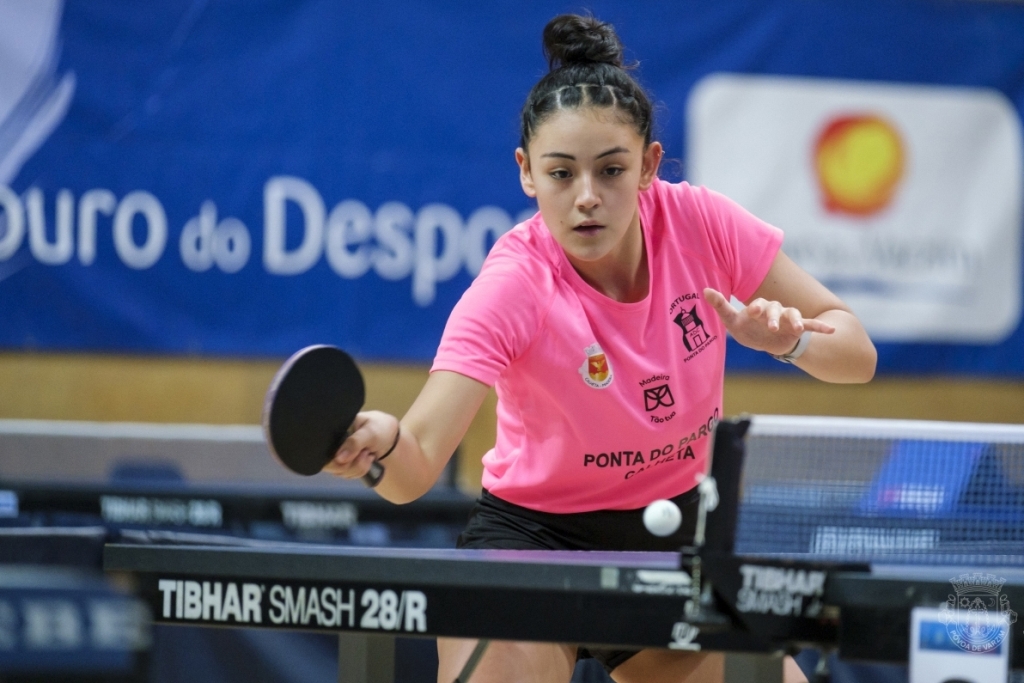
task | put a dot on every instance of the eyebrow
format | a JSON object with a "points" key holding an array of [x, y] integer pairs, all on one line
{"points": [[563, 155]]}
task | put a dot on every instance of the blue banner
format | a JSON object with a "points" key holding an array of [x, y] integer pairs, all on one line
{"points": [[58, 620], [245, 178]]}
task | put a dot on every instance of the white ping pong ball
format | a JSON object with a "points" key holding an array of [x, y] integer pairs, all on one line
{"points": [[662, 517]]}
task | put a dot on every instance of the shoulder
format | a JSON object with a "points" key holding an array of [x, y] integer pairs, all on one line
{"points": [[523, 256], [517, 283], [695, 210], [679, 216], [695, 221], [682, 201], [500, 314]]}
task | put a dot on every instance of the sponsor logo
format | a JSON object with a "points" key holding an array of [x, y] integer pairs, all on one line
{"points": [[661, 582], [859, 162], [393, 242], [142, 510], [912, 498], [968, 613], [784, 592], [683, 635], [309, 516], [596, 371], [35, 97], [288, 605], [38, 624], [658, 397], [834, 164], [837, 540], [610, 577], [637, 461]]}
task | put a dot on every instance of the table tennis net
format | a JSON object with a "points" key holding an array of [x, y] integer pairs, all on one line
{"points": [[859, 490]]}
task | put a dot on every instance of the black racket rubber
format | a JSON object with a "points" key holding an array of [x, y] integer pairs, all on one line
{"points": [[309, 409]]}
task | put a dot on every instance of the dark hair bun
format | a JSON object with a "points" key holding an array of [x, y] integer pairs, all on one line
{"points": [[573, 39]]}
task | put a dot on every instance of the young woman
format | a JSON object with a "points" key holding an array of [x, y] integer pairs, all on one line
{"points": [[601, 322]]}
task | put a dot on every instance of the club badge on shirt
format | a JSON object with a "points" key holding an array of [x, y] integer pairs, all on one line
{"points": [[694, 334], [596, 371]]}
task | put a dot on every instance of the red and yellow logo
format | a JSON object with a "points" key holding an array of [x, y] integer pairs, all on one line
{"points": [[596, 371], [859, 161]]}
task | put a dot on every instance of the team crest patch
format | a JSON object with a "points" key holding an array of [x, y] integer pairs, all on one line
{"points": [[596, 371], [694, 334], [977, 597]]}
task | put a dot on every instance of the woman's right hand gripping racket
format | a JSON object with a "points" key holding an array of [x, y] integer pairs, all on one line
{"points": [[310, 407]]}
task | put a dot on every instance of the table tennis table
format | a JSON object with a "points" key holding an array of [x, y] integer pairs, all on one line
{"points": [[683, 601], [824, 538]]}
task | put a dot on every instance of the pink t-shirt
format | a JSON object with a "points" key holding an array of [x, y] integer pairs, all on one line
{"points": [[603, 404]]}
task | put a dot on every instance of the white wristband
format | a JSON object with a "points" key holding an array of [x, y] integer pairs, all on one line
{"points": [[798, 350]]}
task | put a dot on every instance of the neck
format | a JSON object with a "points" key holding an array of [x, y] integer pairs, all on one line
{"points": [[622, 275]]}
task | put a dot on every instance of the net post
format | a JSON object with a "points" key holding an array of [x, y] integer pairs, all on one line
{"points": [[728, 450]]}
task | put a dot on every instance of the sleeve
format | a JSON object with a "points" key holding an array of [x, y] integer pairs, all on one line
{"points": [[744, 245], [496, 319]]}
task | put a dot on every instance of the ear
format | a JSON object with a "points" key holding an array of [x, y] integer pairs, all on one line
{"points": [[651, 161], [525, 178]]}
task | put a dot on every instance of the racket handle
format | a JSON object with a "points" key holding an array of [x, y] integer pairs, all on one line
{"points": [[373, 477]]}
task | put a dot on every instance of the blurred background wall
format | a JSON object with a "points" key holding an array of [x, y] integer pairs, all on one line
{"points": [[190, 190]]}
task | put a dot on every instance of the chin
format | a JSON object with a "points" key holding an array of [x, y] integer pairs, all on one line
{"points": [[587, 255]]}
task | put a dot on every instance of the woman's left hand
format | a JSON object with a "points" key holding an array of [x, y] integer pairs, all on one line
{"points": [[764, 325]]}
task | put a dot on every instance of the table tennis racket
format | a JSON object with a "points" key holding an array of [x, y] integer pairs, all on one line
{"points": [[309, 409]]}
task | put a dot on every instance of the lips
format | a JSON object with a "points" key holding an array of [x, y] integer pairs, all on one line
{"points": [[587, 228]]}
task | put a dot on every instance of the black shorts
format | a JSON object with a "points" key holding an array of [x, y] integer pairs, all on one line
{"points": [[495, 523]]}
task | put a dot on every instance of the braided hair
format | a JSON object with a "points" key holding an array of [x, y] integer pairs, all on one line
{"points": [[585, 70]]}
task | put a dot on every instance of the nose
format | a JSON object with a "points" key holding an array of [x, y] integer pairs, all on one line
{"points": [[586, 197]]}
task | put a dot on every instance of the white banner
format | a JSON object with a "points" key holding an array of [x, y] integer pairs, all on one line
{"points": [[904, 199]]}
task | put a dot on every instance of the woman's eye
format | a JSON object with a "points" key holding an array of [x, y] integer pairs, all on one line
{"points": [[560, 174], [614, 170]]}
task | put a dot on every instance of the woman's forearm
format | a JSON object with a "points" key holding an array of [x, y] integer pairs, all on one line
{"points": [[408, 471]]}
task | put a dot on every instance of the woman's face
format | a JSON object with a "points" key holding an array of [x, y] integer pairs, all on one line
{"points": [[586, 167]]}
